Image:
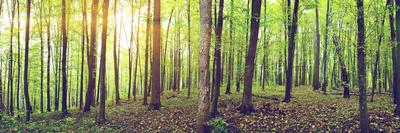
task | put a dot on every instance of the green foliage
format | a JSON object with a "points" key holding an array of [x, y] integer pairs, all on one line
{"points": [[218, 125]]}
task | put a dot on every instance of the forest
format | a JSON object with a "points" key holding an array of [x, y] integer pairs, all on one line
{"points": [[200, 66]]}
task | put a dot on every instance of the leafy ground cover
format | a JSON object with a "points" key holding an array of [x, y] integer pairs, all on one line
{"points": [[310, 111]]}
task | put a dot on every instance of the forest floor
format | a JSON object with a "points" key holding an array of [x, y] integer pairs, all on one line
{"points": [[309, 111]]}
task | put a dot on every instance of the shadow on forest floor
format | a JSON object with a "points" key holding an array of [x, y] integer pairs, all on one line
{"points": [[309, 111]]}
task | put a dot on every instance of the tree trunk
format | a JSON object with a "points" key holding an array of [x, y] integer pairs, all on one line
{"points": [[397, 110], [1, 89], [92, 60], [84, 31], [364, 121], [102, 75], [316, 83], [291, 49], [230, 64], [146, 64], [10, 68], [137, 58], [204, 59], [19, 57], [217, 58], [64, 59], [116, 59], [26, 67], [247, 106], [325, 58], [345, 82], [155, 103], [377, 56], [189, 78]]}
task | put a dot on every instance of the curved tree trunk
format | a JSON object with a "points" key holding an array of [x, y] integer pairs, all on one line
{"points": [[247, 106], [26, 67]]}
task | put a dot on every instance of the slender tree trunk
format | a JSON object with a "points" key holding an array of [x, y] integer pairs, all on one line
{"points": [[84, 28], [41, 57], [377, 56], [291, 49], [10, 68], [130, 54], [19, 57], [345, 82], [1, 88], [48, 62], [92, 60], [364, 121], [230, 64], [155, 103], [325, 58], [116, 59], [316, 83], [217, 59], [137, 57], [64, 59], [247, 106], [146, 64], [204, 59], [102, 72], [189, 78], [26, 67]]}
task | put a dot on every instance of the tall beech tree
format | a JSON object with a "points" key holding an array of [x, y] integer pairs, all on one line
{"points": [[64, 59], [155, 103], [146, 64], [92, 61], [28, 107], [325, 58], [102, 73], [291, 49], [316, 84], [204, 59], [48, 61], [84, 36], [247, 106], [217, 59], [116, 59], [10, 68], [397, 110], [345, 82], [364, 120]]}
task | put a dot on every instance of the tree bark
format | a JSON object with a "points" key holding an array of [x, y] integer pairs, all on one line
{"points": [[10, 68], [204, 59], [397, 110], [247, 106], [146, 64], [26, 67], [217, 59], [375, 75], [64, 59], [316, 83], [116, 59], [325, 58], [291, 49], [155, 103], [92, 60], [345, 82], [102, 75], [364, 120]]}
